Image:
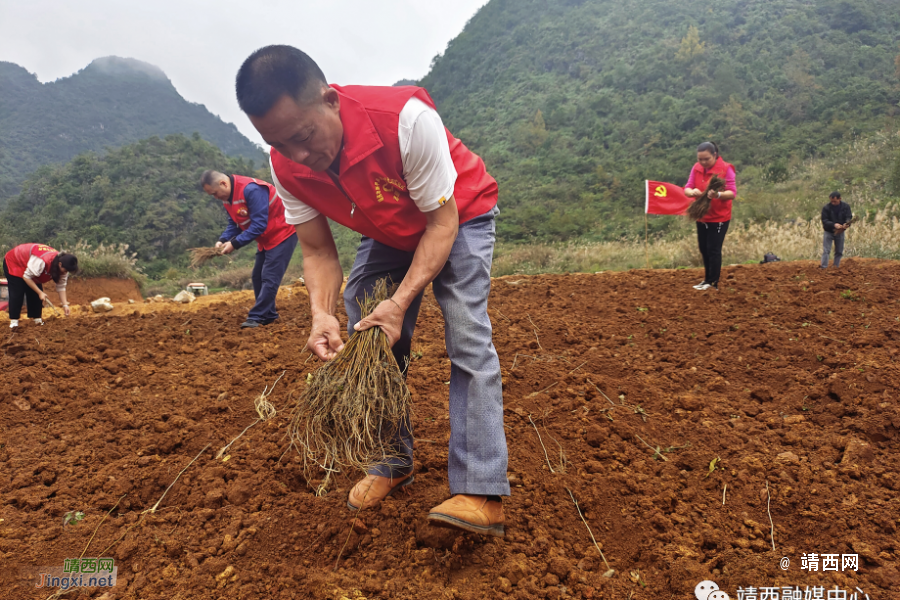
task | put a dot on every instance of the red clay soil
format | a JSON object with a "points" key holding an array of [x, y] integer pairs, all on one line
{"points": [[85, 291], [786, 377]]}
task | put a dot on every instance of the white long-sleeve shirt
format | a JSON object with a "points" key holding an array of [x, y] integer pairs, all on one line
{"points": [[35, 269]]}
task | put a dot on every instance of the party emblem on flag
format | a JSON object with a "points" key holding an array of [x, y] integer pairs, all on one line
{"points": [[665, 199]]}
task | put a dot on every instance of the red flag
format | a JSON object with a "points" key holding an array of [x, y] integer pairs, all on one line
{"points": [[665, 199]]}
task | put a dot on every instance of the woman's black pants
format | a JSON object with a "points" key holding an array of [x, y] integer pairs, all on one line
{"points": [[20, 293], [710, 237]]}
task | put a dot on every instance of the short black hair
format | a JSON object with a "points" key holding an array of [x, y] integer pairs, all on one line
{"points": [[270, 73], [835, 195], [710, 147]]}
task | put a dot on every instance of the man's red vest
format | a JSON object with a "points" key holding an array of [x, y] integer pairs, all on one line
{"points": [[719, 210], [277, 230], [17, 259], [372, 198]]}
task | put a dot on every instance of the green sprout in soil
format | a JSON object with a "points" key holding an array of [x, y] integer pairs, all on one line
{"points": [[713, 465], [73, 517], [849, 295]]}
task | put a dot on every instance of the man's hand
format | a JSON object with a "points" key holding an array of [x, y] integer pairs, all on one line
{"points": [[226, 248], [219, 245], [325, 337], [389, 316]]}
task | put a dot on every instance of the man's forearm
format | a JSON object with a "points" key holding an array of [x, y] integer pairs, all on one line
{"points": [[323, 277], [430, 257]]}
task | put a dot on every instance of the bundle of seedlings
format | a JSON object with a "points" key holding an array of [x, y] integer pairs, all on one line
{"points": [[201, 256], [700, 206], [354, 405]]}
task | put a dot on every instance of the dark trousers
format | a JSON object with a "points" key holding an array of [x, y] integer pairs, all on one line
{"points": [[710, 237], [268, 271], [20, 293]]}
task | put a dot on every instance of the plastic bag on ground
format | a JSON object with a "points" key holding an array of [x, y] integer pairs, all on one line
{"points": [[102, 305]]}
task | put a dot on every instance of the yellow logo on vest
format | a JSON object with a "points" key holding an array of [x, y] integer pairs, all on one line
{"points": [[242, 212], [386, 185], [660, 191]]}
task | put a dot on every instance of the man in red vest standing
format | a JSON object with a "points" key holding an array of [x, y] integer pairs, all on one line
{"points": [[255, 212], [380, 161]]}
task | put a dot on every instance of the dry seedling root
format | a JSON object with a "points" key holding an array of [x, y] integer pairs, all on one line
{"points": [[354, 405], [201, 256], [699, 207]]}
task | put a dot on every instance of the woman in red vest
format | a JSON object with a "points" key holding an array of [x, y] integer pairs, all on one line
{"points": [[27, 267], [711, 229]]}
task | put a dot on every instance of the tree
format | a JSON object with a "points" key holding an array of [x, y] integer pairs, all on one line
{"points": [[691, 47]]}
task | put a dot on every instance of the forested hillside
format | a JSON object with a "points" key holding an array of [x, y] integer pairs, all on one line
{"points": [[146, 194], [112, 102], [573, 103]]}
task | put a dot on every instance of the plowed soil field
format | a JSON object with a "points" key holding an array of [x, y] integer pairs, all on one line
{"points": [[695, 430]]}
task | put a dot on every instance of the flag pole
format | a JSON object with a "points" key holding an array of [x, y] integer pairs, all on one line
{"points": [[647, 239], [646, 219]]}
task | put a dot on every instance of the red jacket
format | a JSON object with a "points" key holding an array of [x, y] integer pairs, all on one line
{"points": [[719, 210], [372, 198], [17, 259], [277, 230]]}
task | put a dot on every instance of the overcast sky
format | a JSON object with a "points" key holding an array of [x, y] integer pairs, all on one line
{"points": [[200, 44]]}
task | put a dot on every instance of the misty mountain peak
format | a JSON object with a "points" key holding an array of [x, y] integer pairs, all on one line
{"points": [[115, 65]]}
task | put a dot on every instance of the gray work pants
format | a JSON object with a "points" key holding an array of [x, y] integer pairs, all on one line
{"points": [[838, 248], [477, 459]]}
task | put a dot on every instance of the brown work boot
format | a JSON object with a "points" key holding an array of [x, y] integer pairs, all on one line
{"points": [[373, 489], [470, 513]]}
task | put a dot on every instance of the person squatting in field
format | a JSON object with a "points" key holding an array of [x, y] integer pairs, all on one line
{"points": [[27, 267], [255, 212], [836, 217], [711, 229], [380, 161]]}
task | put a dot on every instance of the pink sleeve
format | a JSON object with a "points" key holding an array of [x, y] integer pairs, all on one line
{"points": [[730, 183], [690, 181]]}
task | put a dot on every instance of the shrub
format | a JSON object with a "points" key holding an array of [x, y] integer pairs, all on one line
{"points": [[112, 261]]}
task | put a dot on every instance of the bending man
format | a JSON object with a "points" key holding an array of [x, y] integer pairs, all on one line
{"points": [[379, 161], [255, 212]]}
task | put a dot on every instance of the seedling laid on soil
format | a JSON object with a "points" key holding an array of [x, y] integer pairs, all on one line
{"points": [[849, 295]]}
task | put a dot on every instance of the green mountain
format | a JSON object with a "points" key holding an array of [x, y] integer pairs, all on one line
{"points": [[573, 103], [146, 194], [112, 102]]}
